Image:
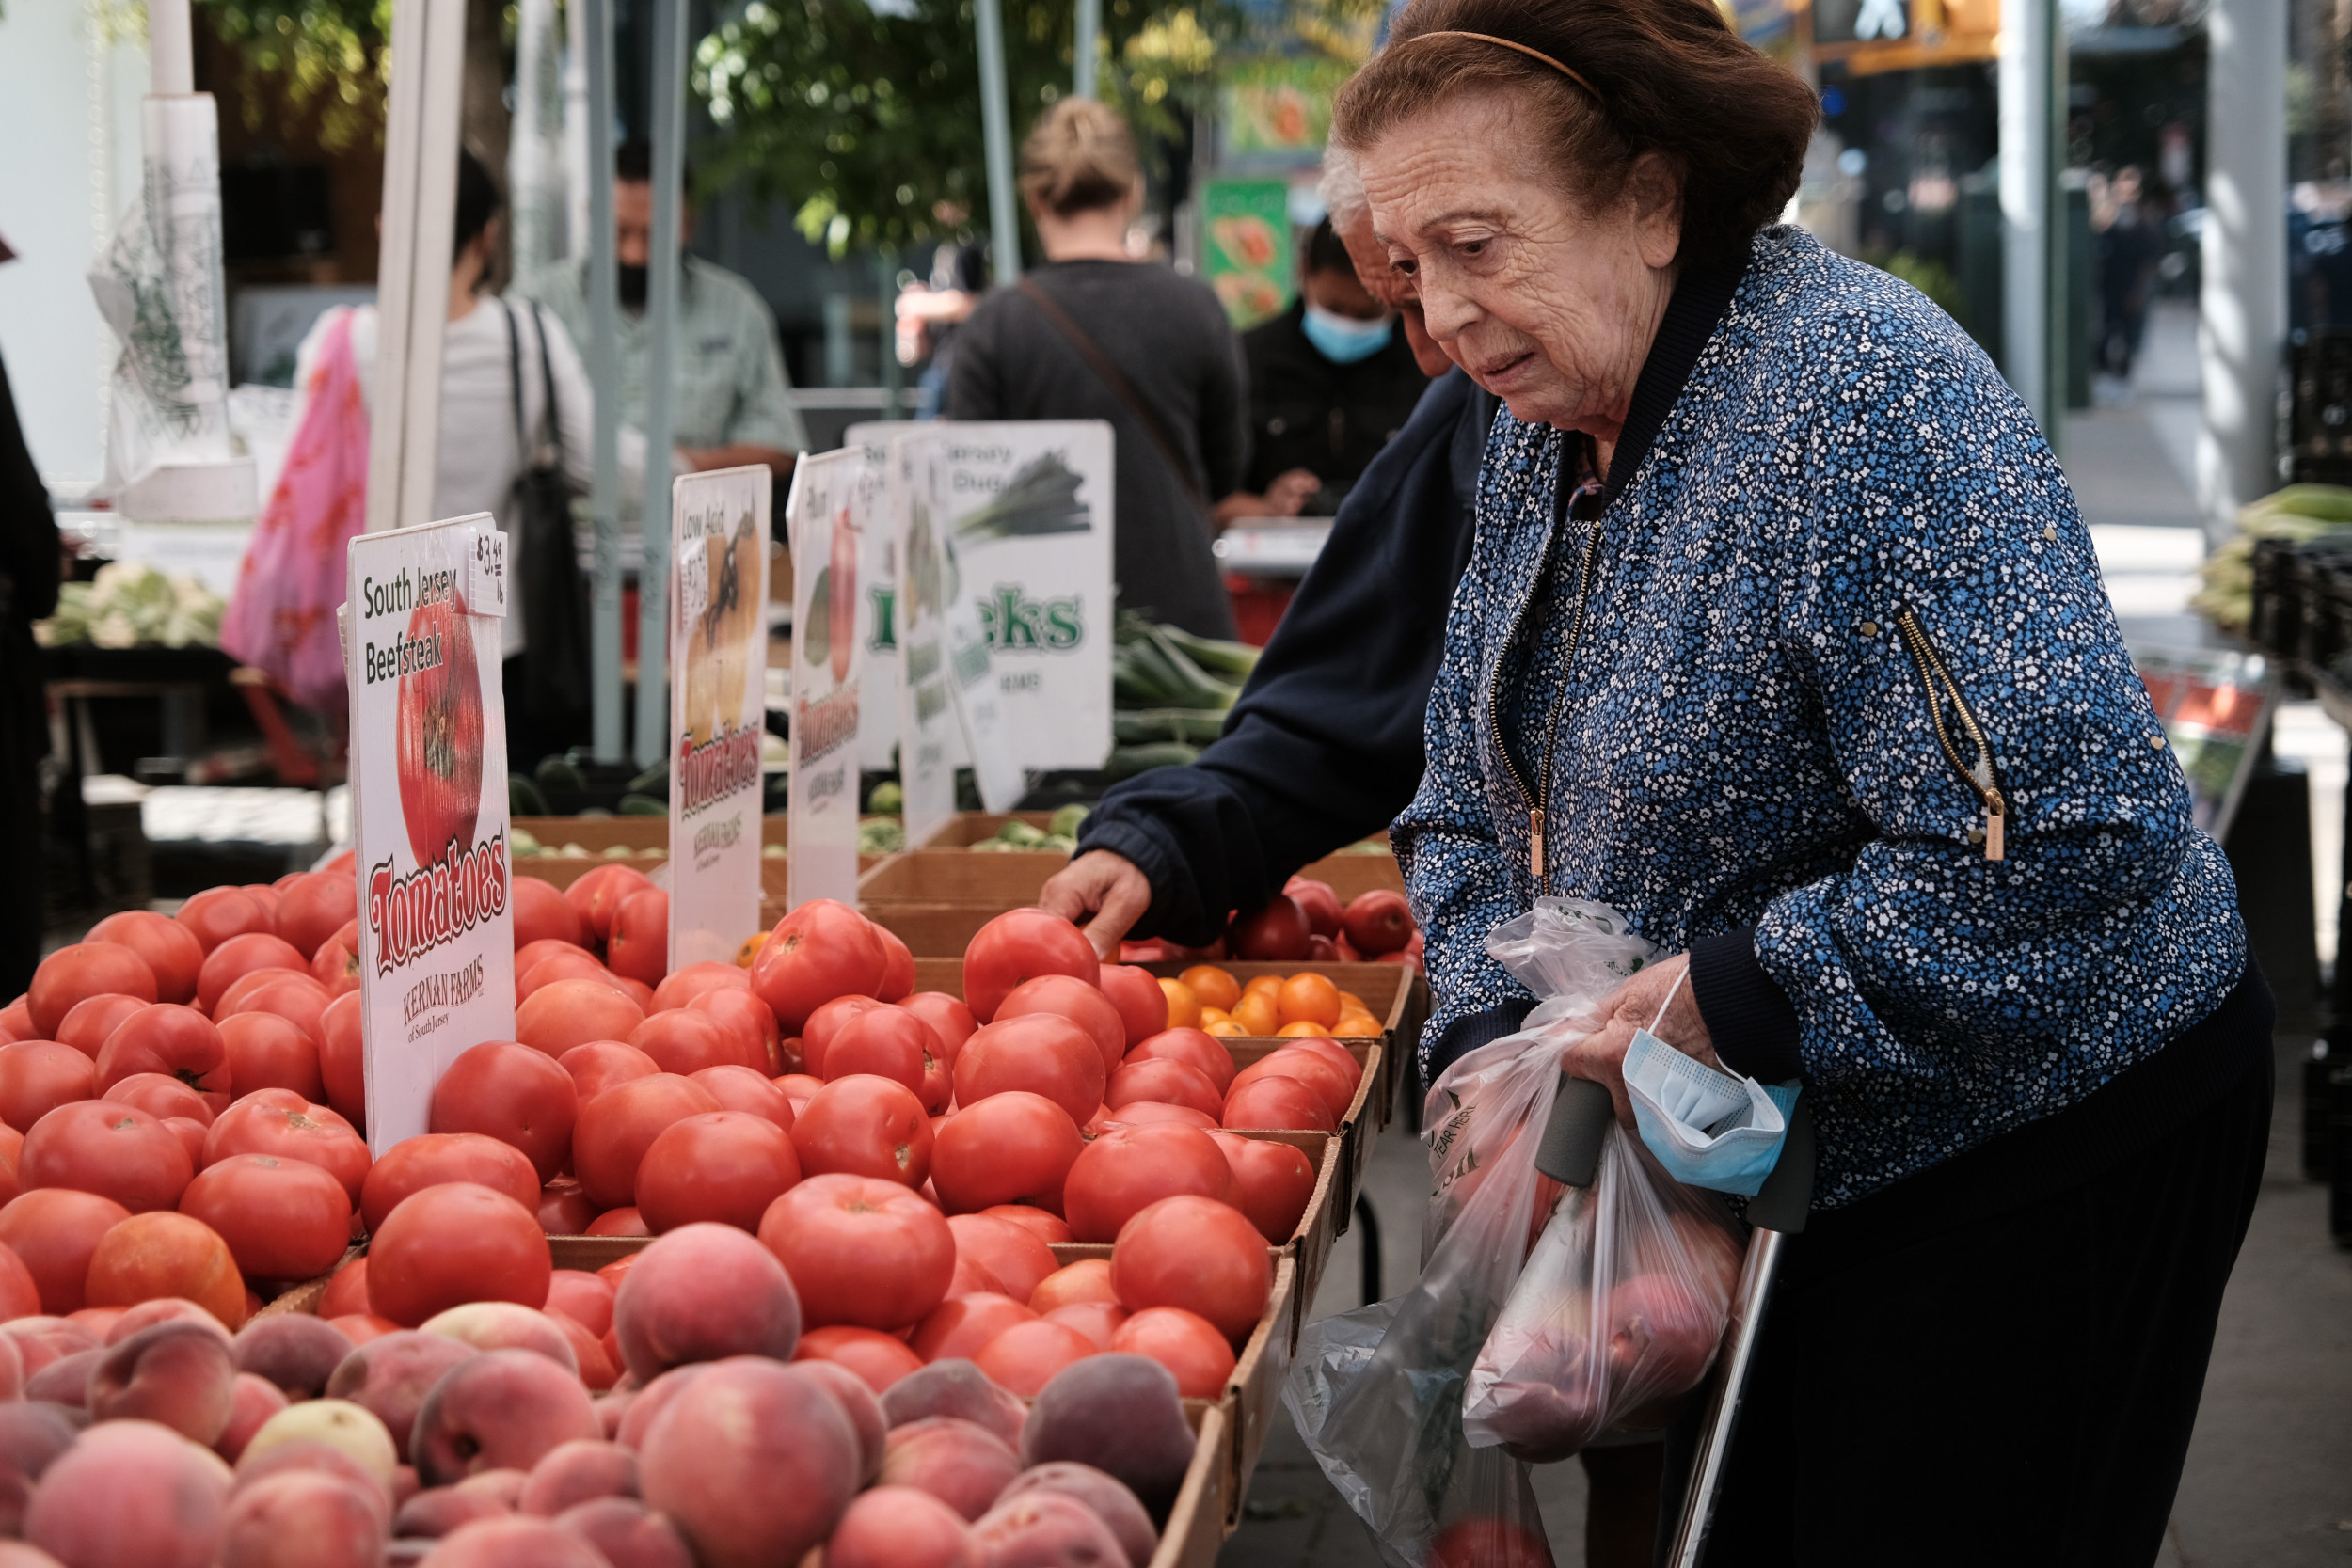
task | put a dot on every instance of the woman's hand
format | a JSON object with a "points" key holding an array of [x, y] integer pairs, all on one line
{"points": [[1633, 1007], [1105, 892]]}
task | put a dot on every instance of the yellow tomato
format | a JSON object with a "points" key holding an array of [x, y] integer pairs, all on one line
{"points": [[1183, 1008], [1309, 998], [1257, 1014], [1213, 986], [750, 950]]}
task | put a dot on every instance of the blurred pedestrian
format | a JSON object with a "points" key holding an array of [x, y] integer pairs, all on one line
{"points": [[28, 592], [2128, 250]]}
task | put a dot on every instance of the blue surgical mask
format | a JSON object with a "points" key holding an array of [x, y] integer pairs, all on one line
{"points": [[1709, 1128], [1343, 339]]}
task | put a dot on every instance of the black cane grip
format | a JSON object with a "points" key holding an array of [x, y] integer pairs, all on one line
{"points": [[1569, 1150], [1788, 1192]]}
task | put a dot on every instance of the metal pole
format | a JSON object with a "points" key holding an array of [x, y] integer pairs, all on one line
{"points": [[893, 373], [1090, 26], [2025, 218], [661, 286], [2055, 223], [594, 20], [2242, 310], [1004, 216]]}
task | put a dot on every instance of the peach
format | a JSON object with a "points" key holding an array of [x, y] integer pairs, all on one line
{"points": [[11, 1370], [253, 1400], [625, 1530], [303, 1520], [501, 1483], [700, 1292], [351, 1430], [583, 1297], [437, 1511], [505, 1325], [32, 1437], [961, 1463], [651, 1401], [711, 1458], [179, 1374], [575, 1471], [303, 1453], [513, 1543], [1046, 1526], [293, 1350], [502, 1409], [898, 1526], [955, 1387], [65, 1381], [163, 1310], [857, 1402], [42, 1340], [390, 1376], [129, 1495], [1120, 1414], [1109, 1499]]}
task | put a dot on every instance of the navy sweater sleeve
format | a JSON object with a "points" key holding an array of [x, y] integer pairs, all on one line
{"points": [[1325, 745]]}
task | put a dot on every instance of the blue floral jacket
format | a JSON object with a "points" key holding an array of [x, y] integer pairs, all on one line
{"points": [[1846, 694]]}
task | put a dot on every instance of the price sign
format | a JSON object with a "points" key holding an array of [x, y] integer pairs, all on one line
{"points": [[836, 498], [485, 574]]}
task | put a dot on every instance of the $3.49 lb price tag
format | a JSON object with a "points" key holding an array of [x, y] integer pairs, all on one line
{"points": [[693, 579], [486, 572]]}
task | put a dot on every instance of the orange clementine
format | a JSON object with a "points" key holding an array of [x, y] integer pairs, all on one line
{"points": [[1308, 998], [1305, 1028], [1270, 984], [750, 950], [1214, 1015], [1224, 1028], [1213, 986], [1184, 1006], [1257, 1013], [1357, 1026], [1349, 999]]}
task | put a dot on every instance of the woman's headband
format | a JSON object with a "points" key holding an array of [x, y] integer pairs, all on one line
{"points": [[1531, 54]]}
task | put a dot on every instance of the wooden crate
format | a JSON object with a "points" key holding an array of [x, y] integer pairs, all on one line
{"points": [[995, 882], [596, 834], [1198, 1523], [972, 826]]}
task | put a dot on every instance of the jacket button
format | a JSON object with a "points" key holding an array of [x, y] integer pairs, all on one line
{"points": [[1870, 628]]}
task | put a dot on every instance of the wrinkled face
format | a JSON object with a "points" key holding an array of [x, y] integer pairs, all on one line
{"points": [[1548, 306], [1392, 288]]}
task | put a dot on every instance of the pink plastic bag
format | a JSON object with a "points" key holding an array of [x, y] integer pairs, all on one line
{"points": [[282, 618]]}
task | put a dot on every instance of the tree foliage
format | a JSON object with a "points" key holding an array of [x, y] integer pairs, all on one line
{"points": [[332, 57]]}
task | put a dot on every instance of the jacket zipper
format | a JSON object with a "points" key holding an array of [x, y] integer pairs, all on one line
{"points": [[1940, 687]]}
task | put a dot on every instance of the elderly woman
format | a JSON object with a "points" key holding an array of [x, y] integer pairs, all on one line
{"points": [[1781, 634]]}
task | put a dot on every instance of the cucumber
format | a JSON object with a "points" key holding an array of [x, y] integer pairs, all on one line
{"points": [[1194, 726], [523, 798], [557, 771], [634, 804], [1127, 761], [1227, 661]]}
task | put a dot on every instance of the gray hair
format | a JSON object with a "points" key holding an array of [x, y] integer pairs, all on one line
{"points": [[1341, 186]]}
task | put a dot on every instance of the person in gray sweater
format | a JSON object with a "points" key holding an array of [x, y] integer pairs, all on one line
{"points": [[1097, 334]]}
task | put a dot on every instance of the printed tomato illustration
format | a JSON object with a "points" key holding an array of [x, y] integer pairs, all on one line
{"points": [[440, 733], [842, 593]]}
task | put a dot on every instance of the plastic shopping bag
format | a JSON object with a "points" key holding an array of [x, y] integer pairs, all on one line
{"points": [[1378, 1393]]}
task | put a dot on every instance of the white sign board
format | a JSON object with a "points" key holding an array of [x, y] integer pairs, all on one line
{"points": [[428, 785], [718, 707], [835, 497], [1024, 510], [878, 631]]}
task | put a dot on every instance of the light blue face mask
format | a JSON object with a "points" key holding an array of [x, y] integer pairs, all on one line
{"points": [[1343, 339], [1709, 1128]]}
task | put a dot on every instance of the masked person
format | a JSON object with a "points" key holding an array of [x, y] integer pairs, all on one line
{"points": [[1331, 382]]}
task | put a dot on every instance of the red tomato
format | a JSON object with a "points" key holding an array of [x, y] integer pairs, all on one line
{"points": [[799, 1087], [1098, 1321], [723, 1165], [110, 1149], [1007, 1252], [37, 1076], [890, 1042], [1040, 1053], [84, 970], [1277, 1104], [1334, 1052], [826, 1022], [336, 964], [542, 913], [860, 1251], [1018, 945], [1162, 1082], [241, 955], [741, 1089], [619, 1222], [1197, 1254], [1197, 1049], [347, 1292], [615, 1128], [438, 736], [265, 1052], [949, 1019], [821, 950], [682, 986], [563, 1209], [576, 963], [20, 1296], [1087, 1279], [1044, 1225], [314, 905], [597, 895], [531, 955], [1011, 1148], [1329, 1085], [899, 968], [581, 1297], [434, 1159], [172, 953], [454, 1244], [159, 1096], [341, 1066], [1275, 930], [232, 998], [599, 1064], [11, 1147], [164, 1256], [282, 1219], [686, 1042], [881, 1359], [217, 913], [960, 1325], [264, 894], [16, 1023], [299, 999], [506, 1090], [1318, 901], [53, 1230], [639, 947], [1151, 1113], [1025, 1357], [191, 1133], [1127, 1169], [1079, 1001], [1142, 1005], [274, 1121], [573, 1012], [753, 1026], [1184, 1343], [864, 1126], [1273, 1182], [171, 1040]]}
